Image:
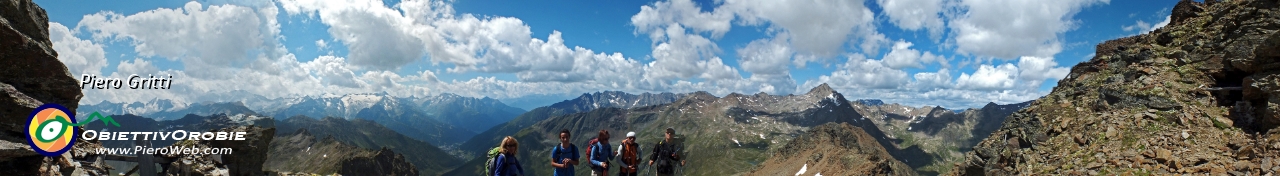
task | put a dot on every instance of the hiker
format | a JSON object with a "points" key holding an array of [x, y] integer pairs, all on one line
{"points": [[629, 155], [564, 156], [665, 154], [507, 164], [600, 154]]}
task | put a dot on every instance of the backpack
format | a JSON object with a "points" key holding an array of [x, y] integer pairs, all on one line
{"points": [[492, 161], [556, 151], [590, 146], [664, 151], [629, 154]]}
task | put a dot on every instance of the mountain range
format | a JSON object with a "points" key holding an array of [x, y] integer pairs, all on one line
{"points": [[349, 140], [932, 137], [942, 135], [832, 149], [722, 135], [479, 144], [444, 120]]}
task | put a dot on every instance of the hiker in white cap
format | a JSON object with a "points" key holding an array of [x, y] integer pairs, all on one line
{"points": [[629, 155]]}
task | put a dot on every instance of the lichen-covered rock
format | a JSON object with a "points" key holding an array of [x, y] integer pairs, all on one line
{"points": [[1197, 96]]}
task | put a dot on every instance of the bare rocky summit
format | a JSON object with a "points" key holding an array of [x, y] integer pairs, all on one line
{"points": [[833, 149], [1201, 95]]}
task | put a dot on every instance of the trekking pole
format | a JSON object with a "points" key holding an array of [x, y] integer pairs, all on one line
{"points": [[647, 168]]}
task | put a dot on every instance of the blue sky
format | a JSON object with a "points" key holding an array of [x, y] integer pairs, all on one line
{"points": [[953, 53]]}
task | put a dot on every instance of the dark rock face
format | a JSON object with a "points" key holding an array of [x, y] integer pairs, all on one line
{"points": [[31, 65], [386, 162], [246, 158], [1197, 96], [250, 153], [31, 76]]}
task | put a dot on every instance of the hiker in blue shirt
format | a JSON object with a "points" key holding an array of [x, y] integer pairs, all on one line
{"points": [[564, 156], [601, 154]]}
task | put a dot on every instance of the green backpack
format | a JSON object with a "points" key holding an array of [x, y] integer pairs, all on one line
{"points": [[491, 162]]}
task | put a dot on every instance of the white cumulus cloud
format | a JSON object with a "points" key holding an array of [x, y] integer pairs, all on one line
{"points": [[80, 56], [915, 14], [1013, 28], [902, 56]]}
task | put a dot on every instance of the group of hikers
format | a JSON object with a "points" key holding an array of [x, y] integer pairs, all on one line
{"points": [[599, 153]]}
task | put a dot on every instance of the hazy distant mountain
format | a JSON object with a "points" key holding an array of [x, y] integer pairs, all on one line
{"points": [[725, 135], [137, 108], [445, 119], [472, 114], [166, 109], [944, 135], [404, 118], [365, 134], [537, 100], [203, 109], [586, 102], [328, 105]]}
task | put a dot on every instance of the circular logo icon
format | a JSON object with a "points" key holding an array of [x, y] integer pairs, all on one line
{"points": [[50, 131]]}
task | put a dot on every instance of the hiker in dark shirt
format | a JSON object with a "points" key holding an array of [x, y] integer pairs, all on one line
{"points": [[665, 153]]}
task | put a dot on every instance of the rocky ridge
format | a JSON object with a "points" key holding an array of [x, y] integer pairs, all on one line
{"points": [[481, 143], [301, 152], [362, 134], [1200, 95], [720, 135], [941, 134], [832, 149]]}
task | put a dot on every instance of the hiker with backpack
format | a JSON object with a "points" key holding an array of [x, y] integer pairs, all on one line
{"points": [[564, 156], [665, 153], [629, 155], [503, 162], [600, 154]]}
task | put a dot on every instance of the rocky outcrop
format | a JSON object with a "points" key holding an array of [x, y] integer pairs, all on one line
{"points": [[833, 149], [250, 153], [301, 152], [246, 157], [1196, 96], [31, 65], [385, 162], [31, 76]]}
